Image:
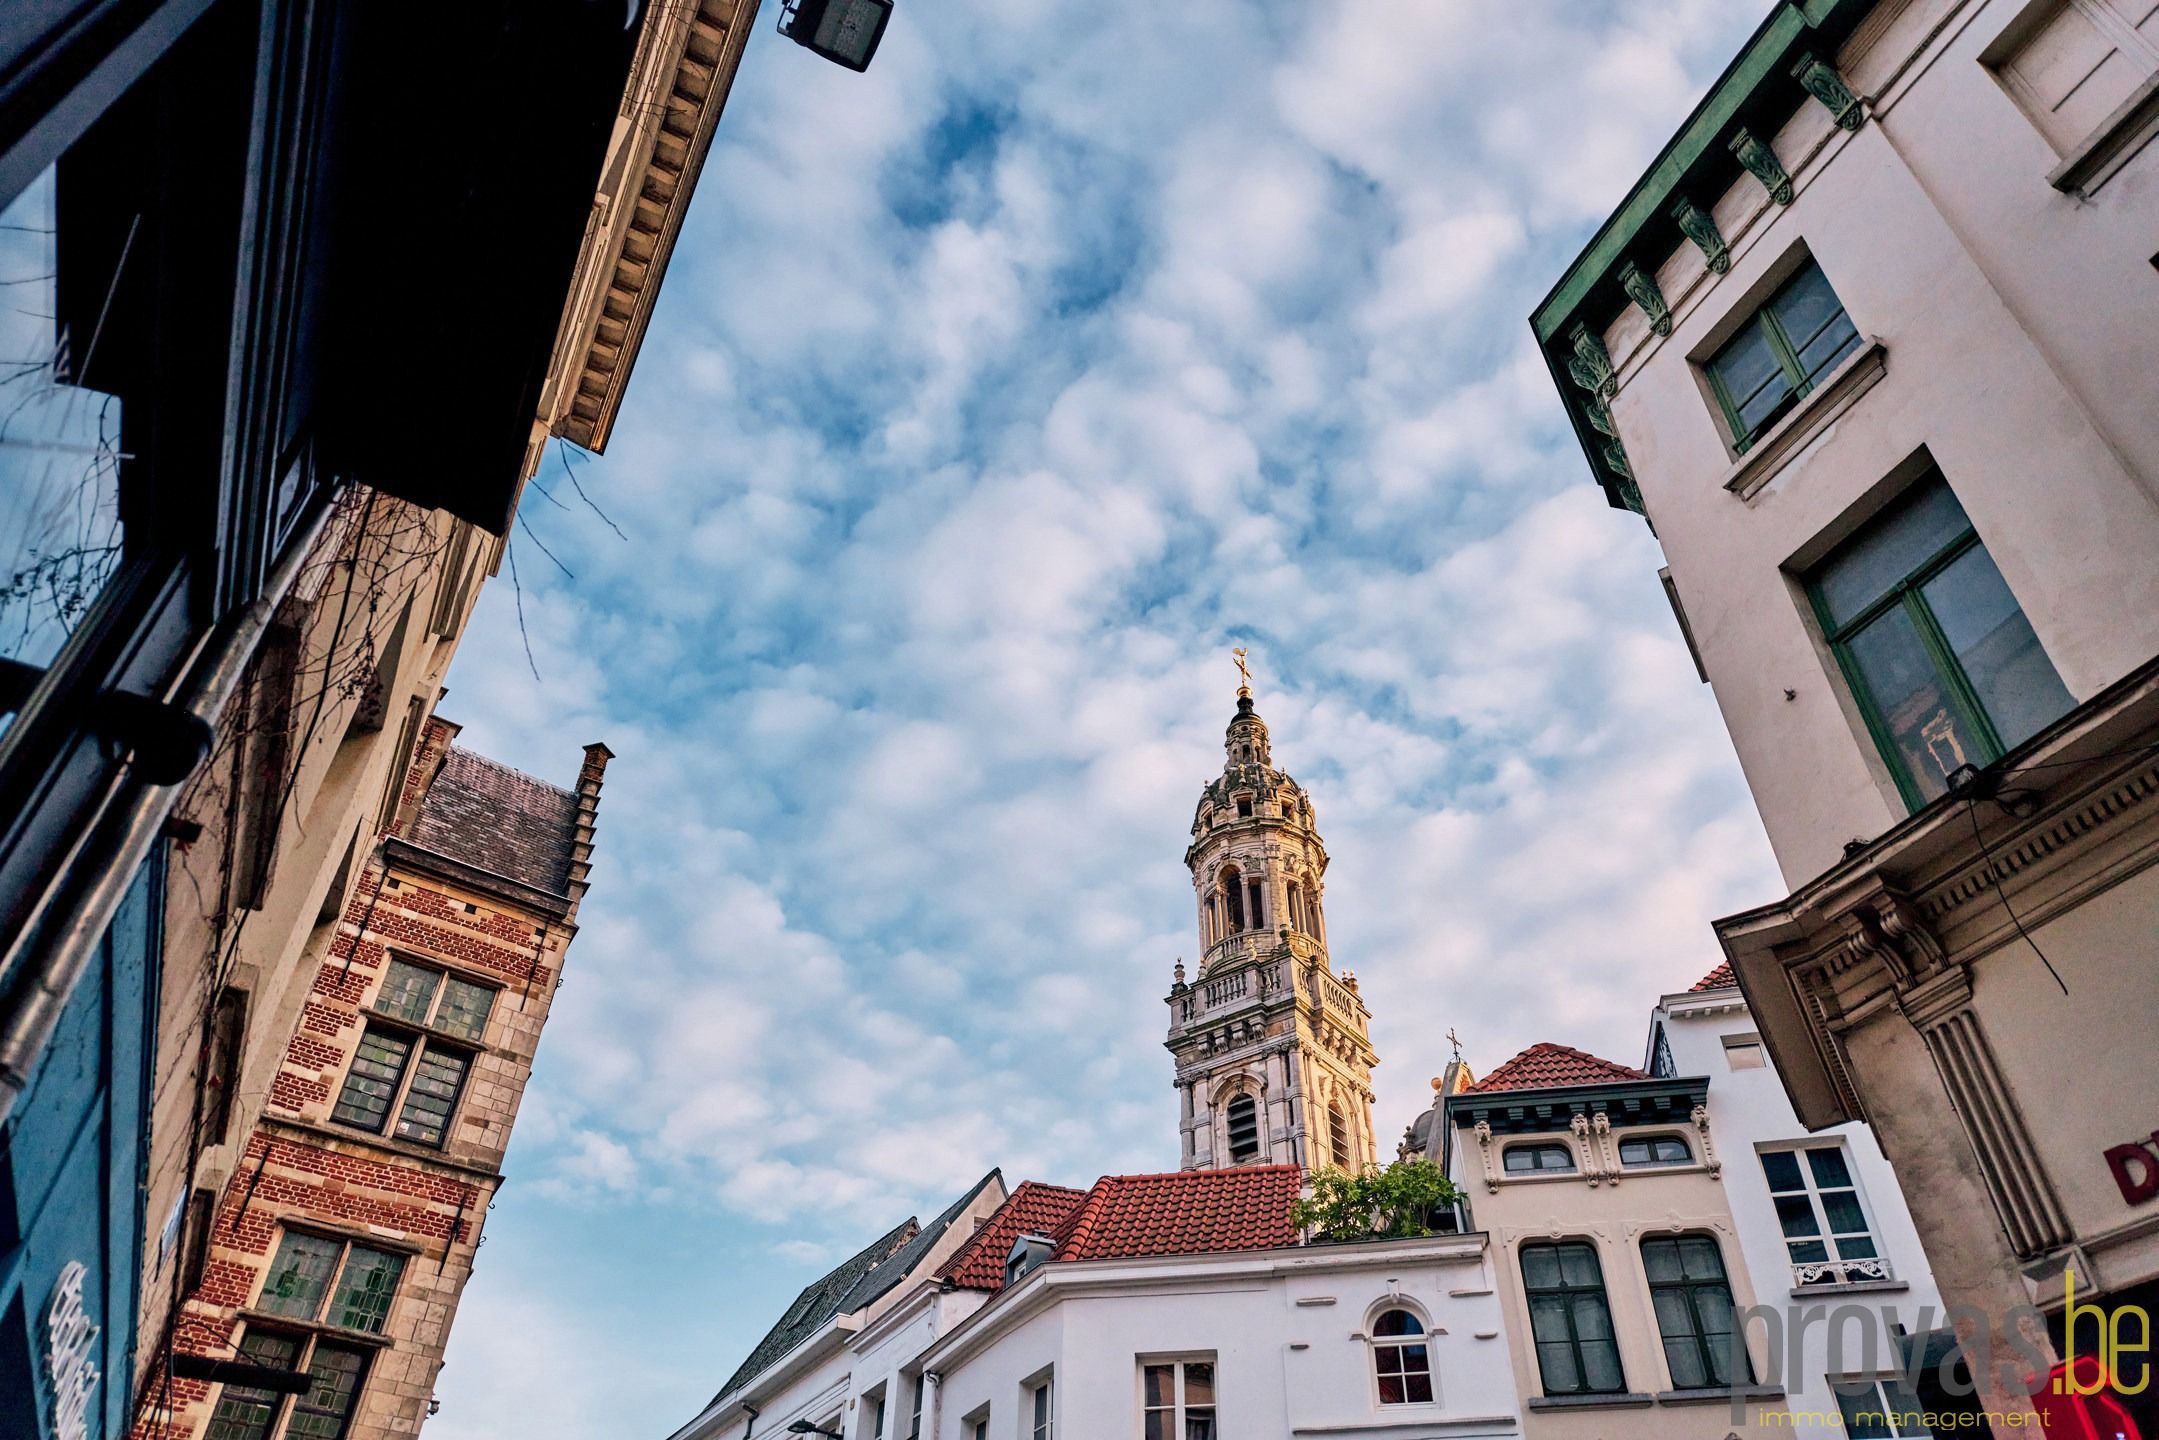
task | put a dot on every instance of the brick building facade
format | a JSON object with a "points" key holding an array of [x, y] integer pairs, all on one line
{"points": [[342, 1243]]}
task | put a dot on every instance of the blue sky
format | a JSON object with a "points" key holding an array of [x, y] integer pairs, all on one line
{"points": [[993, 396]]}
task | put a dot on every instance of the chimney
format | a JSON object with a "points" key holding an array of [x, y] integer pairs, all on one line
{"points": [[588, 810]]}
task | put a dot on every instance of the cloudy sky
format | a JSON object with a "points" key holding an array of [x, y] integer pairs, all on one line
{"points": [[993, 396]]}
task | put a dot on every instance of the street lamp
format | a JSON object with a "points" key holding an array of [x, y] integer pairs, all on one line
{"points": [[845, 32], [804, 1427]]}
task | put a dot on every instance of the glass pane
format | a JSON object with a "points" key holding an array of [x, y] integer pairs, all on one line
{"points": [[1199, 1384], [1548, 1317], [465, 1007], [1158, 1382], [1415, 1359], [1814, 321], [1600, 1365], [1634, 1152], [1830, 1171], [1781, 1169], [1845, 1216], [1797, 1216], [1862, 1410], [1591, 1320], [435, 1083], [1540, 1267], [244, 1413], [1556, 1362], [1390, 1390], [1684, 1359], [1660, 1260], [1699, 1259], [1904, 1408], [1894, 544], [1856, 1247], [365, 1288], [1158, 1423], [1578, 1266], [1996, 648], [1419, 1387], [1809, 1252], [1518, 1159], [321, 1413], [299, 1275], [59, 446], [1673, 1151], [1397, 1322], [1929, 733], [371, 1083], [1199, 1424], [1387, 1359], [1554, 1157], [407, 991], [1753, 379], [1822, 354]]}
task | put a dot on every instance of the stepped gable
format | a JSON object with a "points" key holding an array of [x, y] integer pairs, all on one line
{"points": [[1547, 1066]]}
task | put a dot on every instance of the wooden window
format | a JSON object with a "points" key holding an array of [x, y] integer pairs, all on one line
{"points": [[1825, 1226], [1549, 1159], [1780, 354], [1693, 1302], [1937, 652], [1042, 1411], [1655, 1150], [1570, 1320], [2071, 65], [358, 1281], [1243, 1117], [1177, 1400], [1401, 1359]]}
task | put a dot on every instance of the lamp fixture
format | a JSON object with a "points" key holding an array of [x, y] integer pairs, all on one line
{"points": [[845, 32], [805, 1427]]}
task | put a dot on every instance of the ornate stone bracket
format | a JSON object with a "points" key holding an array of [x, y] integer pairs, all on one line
{"points": [[1641, 288], [1762, 163], [1592, 1157], [1710, 1162], [1600, 1126], [1590, 366], [1700, 226], [1820, 79], [1483, 1132]]}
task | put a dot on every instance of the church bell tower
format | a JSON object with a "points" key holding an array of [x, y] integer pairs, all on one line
{"points": [[1273, 1049]]}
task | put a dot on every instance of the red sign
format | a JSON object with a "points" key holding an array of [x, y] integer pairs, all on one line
{"points": [[2136, 1170], [2075, 1404]]}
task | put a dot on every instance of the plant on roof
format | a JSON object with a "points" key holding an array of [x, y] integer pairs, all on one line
{"points": [[1402, 1200]]}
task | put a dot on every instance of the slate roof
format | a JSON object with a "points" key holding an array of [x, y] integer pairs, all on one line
{"points": [[819, 1301], [1545, 1065], [1184, 1212], [1716, 979], [500, 820], [902, 1261]]}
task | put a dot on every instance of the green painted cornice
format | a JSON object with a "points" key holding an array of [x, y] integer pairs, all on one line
{"points": [[1757, 92]]}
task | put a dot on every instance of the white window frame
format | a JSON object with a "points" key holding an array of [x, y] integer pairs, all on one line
{"points": [[1374, 1343], [1828, 1238], [1176, 1409], [1038, 1408], [1881, 1395]]}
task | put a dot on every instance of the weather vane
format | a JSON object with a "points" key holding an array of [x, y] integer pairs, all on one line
{"points": [[1244, 672], [1456, 1041]]}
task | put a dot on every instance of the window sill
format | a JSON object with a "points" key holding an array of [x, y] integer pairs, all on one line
{"points": [[1807, 420], [1847, 1287], [293, 1324], [1719, 1394], [1632, 1400], [351, 1135], [2114, 144]]}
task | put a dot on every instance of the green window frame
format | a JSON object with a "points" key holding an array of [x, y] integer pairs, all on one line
{"points": [[1799, 335], [1692, 1298], [1571, 1320], [1898, 603]]}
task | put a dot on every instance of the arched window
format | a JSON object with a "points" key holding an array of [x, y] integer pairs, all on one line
{"points": [[1550, 1159], [1402, 1359], [1258, 902], [1338, 1135], [1243, 1115], [1570, 1320], [1296, 908], [1233, 896], [1694, 1311]]}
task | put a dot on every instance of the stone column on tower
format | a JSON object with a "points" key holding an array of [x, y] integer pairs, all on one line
{"points": [[1273, 1051]]}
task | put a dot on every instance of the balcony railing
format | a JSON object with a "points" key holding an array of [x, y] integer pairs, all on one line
{"points": [[1840, 1272]]}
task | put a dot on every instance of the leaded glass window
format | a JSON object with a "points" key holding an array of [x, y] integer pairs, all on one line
{"points": [[465, 1008], [378, 1067], [435, 1084], [1781, 353], [364, 1289], [245, 1413], [299, 1275], [407, 991], [359, 1281], [323, 1412]]}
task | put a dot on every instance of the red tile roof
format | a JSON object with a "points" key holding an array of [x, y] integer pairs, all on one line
{"points": [[1716, 979], [1184, 1212], [1032, 1209], [1545, 1065]]}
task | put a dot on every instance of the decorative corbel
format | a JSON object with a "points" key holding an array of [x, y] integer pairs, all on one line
{"points": [[1904, 927], [1483, 1131], [1591, 365], [1700, 226], [1600, 1125], [1820, 79], [1710, 1161], [1641, 288], [1762, 163], [1592, 1159]]}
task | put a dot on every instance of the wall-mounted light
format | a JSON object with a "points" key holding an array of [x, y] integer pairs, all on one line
{"points": [[845, 32]]}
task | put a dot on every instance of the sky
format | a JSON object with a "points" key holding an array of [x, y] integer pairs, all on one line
{"points": [[992, 397]]}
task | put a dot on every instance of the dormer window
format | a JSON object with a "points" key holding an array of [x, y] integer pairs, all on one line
{"points": [[1028, 1252]]}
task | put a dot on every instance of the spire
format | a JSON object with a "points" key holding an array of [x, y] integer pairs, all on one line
{"points": [[1246, 741]]}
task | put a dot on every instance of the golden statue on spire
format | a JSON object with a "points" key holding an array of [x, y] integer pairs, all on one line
{"points": [[1244, 673]]}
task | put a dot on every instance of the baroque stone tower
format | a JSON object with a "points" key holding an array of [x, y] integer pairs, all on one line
{"points": [[1273, 1050]]}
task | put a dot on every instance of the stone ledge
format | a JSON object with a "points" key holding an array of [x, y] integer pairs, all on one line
{"points": [[1630, 1400]]}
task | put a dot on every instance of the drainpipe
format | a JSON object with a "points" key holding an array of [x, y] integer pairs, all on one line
{"points": [[751, 1428]]}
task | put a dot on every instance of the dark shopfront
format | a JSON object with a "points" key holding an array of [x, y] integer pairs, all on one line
{"points": [[252, 253]]}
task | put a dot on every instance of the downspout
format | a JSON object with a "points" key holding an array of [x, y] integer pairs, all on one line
{"points": [[751, 1428]]}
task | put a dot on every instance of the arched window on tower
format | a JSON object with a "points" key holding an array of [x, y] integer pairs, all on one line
{"points": [[1338, 1134], [1243, 1116], [1233, 898], [1296, 909], [1256, 905]]}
